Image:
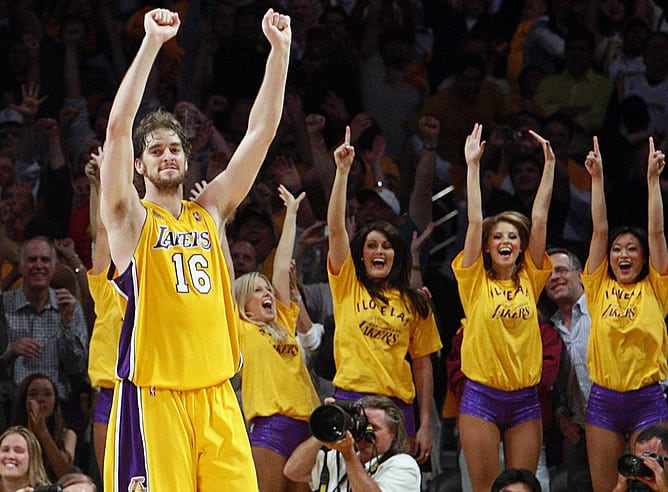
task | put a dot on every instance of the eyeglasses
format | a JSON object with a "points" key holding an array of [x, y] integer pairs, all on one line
{"points": [[561, 270]]}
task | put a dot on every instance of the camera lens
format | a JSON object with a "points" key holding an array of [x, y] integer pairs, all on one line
{"points": [[630, 465], [329, 423]]}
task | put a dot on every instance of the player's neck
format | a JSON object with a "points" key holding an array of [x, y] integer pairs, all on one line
{"points": [[169, 200]]}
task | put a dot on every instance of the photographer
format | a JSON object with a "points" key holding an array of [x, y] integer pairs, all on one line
{"points": [[652, 447], [381, 465]]}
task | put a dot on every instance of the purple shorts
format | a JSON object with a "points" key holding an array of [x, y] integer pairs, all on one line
{"points": [[279, 433], [626, 412], [103, 401], [407, 410], [505, 409]]}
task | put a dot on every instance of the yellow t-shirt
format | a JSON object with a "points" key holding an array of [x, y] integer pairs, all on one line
{"points": [[628, 344], [274, 378], [371, 339], [103, 347], [180, 328], [502, 347]]}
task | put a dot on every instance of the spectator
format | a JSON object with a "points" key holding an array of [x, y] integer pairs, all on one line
{"points": [[564, 288], [552, 348], [108, 320], [516, 480], [77, 482], [651, 440], [625, 285], [20, 460], [652, 84], [244, 258], [276, 391], [577, 91], [472, 98], [379, 318], [37, 407], [500, 272], [47, 329], [381, 462]]}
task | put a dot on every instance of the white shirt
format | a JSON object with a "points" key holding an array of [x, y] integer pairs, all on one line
{"points": [[399, 473]]}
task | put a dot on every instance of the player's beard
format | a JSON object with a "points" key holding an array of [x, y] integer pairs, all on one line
{"points": [[167, 184]]}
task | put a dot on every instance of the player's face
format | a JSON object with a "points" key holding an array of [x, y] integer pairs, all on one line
{"points": [[382, 430], [626, 258], [42, 393], [163, 162], [378, 255], [261, 305], [14, 457], [564, 284], [504, 245]]}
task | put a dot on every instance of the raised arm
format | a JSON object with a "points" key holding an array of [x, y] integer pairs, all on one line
{"points": [[420, 204], [120, 207], [655, 235], [599, 214], [229, 188], [473, 150], [339, 242], [541, 204], [281, 274]]}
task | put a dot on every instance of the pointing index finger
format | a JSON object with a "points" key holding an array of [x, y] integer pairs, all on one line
{"points": [[596, 149], [347, 138], [651, 145]]}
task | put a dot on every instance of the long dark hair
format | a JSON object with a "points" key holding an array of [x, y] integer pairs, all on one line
{"points": [[641, 236], [55, 422], [399, 276]]}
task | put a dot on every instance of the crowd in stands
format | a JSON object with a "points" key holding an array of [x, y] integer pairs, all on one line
{"points": [[383, 98]]}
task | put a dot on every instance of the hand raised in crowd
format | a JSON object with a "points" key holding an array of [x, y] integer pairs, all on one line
{"points": [[30, 102], [545, 144], [359, 123], [656, 160], [92, 167], [419, 240], [429, 128], [594, 162], [65, 247], [289, 200], [315, 124], [335, 107], [312, 235], [276, 28], [66, 302], [474, 148], [48, 127], [344, 153], [198, 188]]}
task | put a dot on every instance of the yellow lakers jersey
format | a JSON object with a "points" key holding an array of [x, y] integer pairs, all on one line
{"points": [[179, 329]]}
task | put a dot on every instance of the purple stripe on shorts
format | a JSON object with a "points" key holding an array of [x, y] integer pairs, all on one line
{"points": [[626, 412], [103, 401], [130, 457], [407, 410], [279, 433], [506, 409]]}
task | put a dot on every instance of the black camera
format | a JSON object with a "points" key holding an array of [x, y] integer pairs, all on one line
{"points": [[48, 488], [330, 422], [630, 465]]}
